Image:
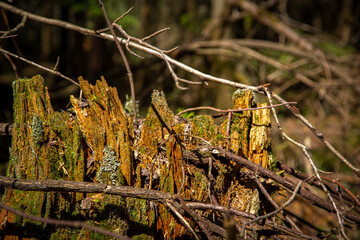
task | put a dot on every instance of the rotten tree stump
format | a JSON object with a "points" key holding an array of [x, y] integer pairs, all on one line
{"points": [[95, 141]]}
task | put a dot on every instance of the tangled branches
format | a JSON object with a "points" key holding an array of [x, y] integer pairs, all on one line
{"points": [[340, 200]]}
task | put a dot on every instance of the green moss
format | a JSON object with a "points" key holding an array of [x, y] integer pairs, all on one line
{"points": [[167, 180], [203, 126], [94, 99], [201, 179], [138, 210]]}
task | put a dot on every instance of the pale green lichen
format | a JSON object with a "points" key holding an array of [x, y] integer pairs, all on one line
{"points": [[203, 126], [108, 171], [37, 130]]}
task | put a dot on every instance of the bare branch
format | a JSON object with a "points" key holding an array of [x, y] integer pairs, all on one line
{"points": [[288, 202], [315, 182], [11, 63], [140, 47], [195, 216], [315, 169], [283, 181], [182, 219], [85, 187], [154, 34], [173, 74], [57, 63], [319, 134], [15, 29], [267, 195], [123, 15], [268, 222], [232, 110], [39, 66]]}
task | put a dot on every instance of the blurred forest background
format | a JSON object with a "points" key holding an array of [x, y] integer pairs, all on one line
{"points": [[218, 38]]}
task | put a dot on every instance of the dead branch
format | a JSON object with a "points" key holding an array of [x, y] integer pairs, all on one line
{"points": [[126, 191], [15, 29], [315, 182], [11, 63], [267, 195], [84, 187], [86, 31], [182, 219], [200, 221], [230, 110], [283, 181], [235, 212], [319, 134], [288, 202], [315, 169], [39, 66]]}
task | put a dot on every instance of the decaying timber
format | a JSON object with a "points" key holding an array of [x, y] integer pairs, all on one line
{"points": [[98, 142]]}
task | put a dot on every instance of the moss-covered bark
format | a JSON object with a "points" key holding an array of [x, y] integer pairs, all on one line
{"points": [[96, 141]]}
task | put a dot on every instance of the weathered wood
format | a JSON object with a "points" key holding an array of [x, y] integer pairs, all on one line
{"points": [[82, 187], [45, 145], [97, 142]]}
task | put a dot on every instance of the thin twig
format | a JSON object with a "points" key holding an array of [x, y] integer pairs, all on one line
{"points": [[315, 169], [267, 195], [171, 50], [39, 66], [232, 110], [196, 217], [85, 31], [288, 202], [319, 134], [20, 25], [57, 63], [344, 188], [11, 63], [182, 219], [118, 19], [8, 36], [268, 222], [123, 15], [173, 74], [154, 34]]}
